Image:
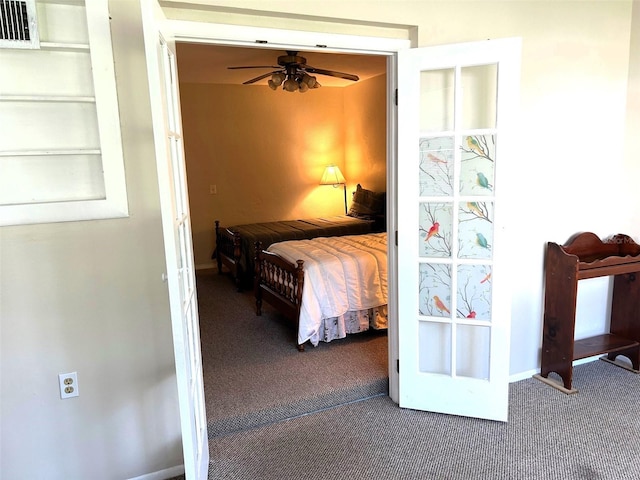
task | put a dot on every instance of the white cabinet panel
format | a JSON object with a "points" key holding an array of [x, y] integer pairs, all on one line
{"points": [[66, 73], [55, 126], [57, 178]]}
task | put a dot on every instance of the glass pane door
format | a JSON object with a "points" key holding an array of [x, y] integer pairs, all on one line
{"points": [[454, 342]]}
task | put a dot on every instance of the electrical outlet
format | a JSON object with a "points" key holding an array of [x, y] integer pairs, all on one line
{"points": [[68, 385]]}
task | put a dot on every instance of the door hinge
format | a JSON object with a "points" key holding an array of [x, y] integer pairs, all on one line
{"points": [[396, 97], [398, 365], [396, 238]]}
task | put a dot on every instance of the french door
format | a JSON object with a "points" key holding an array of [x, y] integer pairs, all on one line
{"points": [[176, 223], [456, 111], [456, 106]]}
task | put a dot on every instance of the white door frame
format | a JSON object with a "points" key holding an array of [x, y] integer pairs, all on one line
{"points": [[225, 35], [176, 225]]}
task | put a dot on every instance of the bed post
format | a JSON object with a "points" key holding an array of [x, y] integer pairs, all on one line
{"points": [[237, 254], [256, 280], [216, 250], [300, 282]]}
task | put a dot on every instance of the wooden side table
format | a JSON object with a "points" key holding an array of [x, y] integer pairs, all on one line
{"points": [[586, 256]]}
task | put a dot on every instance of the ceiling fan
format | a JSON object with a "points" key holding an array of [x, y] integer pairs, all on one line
{"points": [[294, 74]]}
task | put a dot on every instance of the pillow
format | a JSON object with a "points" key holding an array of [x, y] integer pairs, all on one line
{"points": [[367, 204]]}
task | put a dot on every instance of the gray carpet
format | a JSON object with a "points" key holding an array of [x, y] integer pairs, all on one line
{"points": [[253, 373], [591, 435], [267, 420]]}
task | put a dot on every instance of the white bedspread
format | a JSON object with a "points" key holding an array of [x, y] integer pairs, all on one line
{"points": [[342, 274]]}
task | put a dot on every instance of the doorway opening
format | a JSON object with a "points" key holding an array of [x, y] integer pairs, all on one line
{"points": [[236, 363], [390, 184]]}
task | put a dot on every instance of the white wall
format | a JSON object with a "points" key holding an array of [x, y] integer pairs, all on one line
{"points": [[87, 296]]}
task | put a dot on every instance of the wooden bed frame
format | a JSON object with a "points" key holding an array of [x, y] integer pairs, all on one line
{"points": [[230, 244], [280, 283], [234, 244], [228, 252]]}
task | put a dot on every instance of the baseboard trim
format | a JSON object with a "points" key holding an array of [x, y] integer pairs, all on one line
{"points": [[207, 266], [523, 375], [530, 373], [162, 474]]}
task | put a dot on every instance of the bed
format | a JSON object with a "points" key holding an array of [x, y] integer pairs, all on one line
{"points": [[328, 287], [235, 245]]}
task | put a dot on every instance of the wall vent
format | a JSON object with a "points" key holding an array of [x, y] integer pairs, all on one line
{"points": [[18, 24]]}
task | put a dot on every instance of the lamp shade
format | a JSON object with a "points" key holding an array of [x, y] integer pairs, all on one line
{"points": [[332, 176]]}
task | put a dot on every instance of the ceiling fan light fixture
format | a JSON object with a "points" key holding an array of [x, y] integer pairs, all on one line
{"points": [[293, 74], [290, 85], [278, 78], [309, 80]]}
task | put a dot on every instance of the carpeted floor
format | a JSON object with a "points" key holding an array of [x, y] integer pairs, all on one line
{"points": [[587, 436], [253, 373]]}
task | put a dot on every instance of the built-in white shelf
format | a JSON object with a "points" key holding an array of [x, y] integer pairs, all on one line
{"points": [[57, 46], [74, 172], [77, 3], [47, 98], [50, 152]]}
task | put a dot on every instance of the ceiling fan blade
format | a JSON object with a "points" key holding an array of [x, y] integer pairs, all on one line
{"points": [[254, 66], [257, 79], [331, 73]]}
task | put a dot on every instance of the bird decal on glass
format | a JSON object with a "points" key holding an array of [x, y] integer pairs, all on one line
{"points": [[435, 159], [483, 181], [440, 305], [473, 144], [472, 314], [482, 240], [433, 230], [475, 209], [486, 279]]}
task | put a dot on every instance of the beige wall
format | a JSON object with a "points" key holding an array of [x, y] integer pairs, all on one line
{"points": [[365, 126], [265, 152], [632, 145], [87, 296]]}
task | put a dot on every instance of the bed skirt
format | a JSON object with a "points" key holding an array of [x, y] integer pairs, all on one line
{"points": [[351, 322]]}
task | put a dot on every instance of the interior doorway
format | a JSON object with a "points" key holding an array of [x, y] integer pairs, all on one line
{"points": [[293, 389], [213, 34]]}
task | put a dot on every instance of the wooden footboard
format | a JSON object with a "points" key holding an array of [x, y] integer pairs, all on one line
{"points": [[279, 283], [228, 251]]}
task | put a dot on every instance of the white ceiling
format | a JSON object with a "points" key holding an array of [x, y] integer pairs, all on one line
{"points": [[201, 63]]}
